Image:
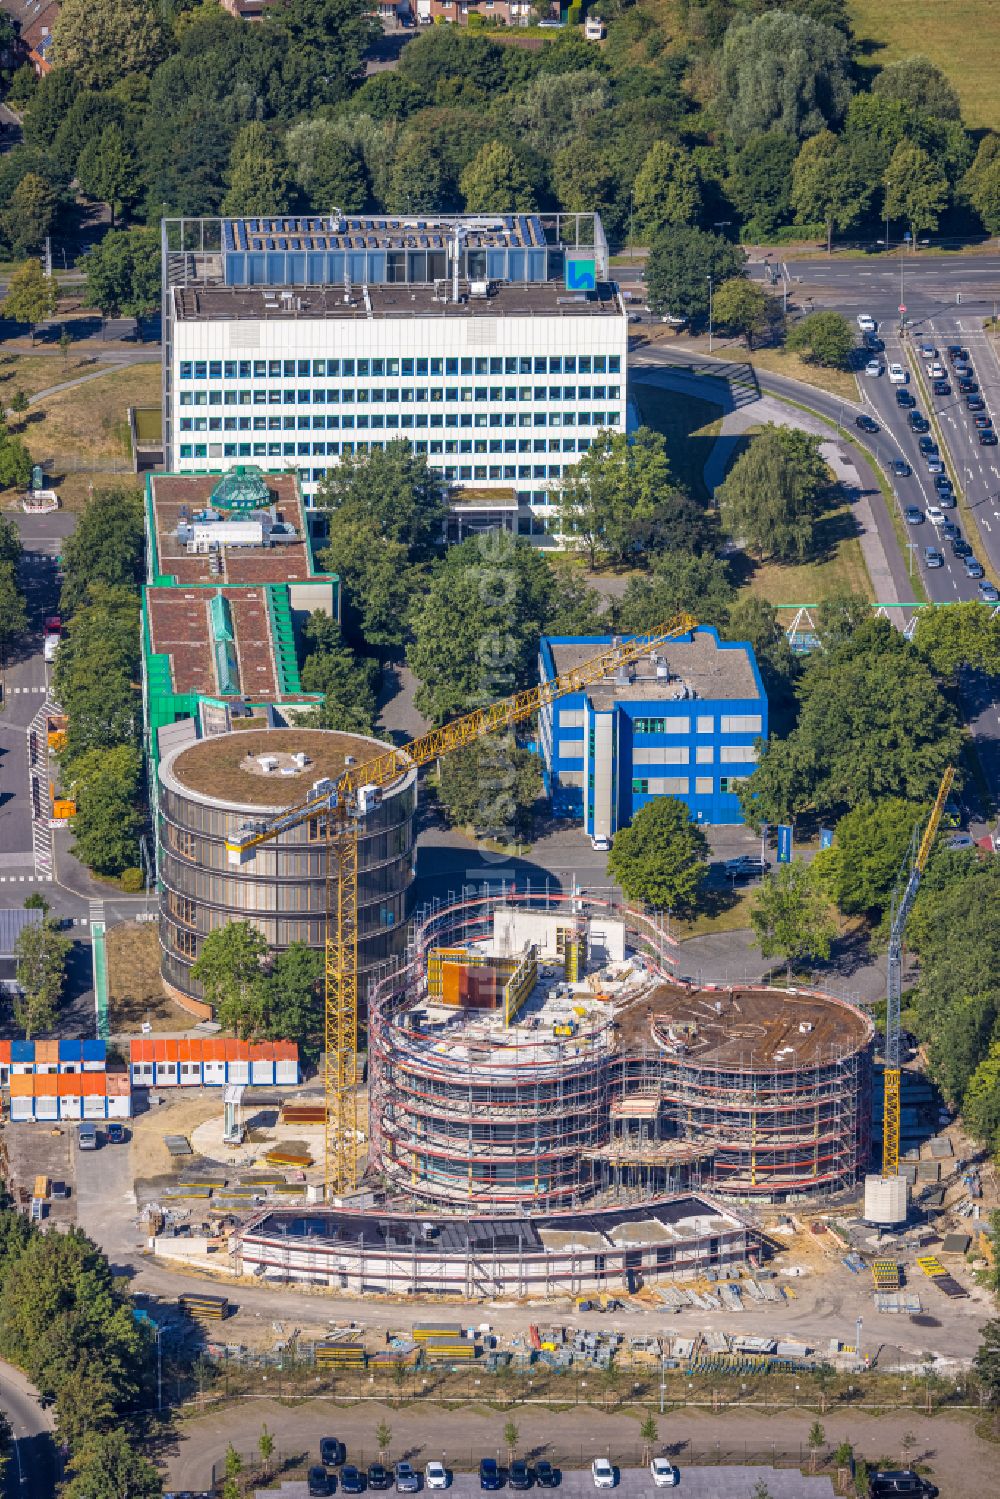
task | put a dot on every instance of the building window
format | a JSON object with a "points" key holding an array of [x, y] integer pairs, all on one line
{"points": [[184, 842], [737, 754], [729, 784], [705, 754], [703, 786], [741, 723], [705, 723], [641, 786], [184, 908], [650, 725], [186, 943]]}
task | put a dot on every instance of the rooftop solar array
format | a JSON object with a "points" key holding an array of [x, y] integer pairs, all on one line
{"points": [[501, 231]]}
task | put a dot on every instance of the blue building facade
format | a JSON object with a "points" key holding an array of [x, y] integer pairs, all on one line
{"points": [[684, 722]]}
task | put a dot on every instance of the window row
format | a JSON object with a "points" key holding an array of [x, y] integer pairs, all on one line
{"points": [[321, 369], [451, 472], [394, 423], [401, 396]]}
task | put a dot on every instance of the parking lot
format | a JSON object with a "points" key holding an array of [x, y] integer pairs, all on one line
{"points": [[636, 1483]]}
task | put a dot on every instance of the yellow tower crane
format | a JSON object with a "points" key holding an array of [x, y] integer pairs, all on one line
{"points": [[894, 990], [339, 806]]}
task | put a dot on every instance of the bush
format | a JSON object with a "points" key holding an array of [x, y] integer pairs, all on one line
{"points": [[574, 15], [133, 881]]}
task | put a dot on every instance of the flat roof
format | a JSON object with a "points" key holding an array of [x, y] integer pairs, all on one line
{"points": [[743, 1027], [265, 304], [383, 231], [180, 626], [287, 562], [699, 667], [223, 768]]}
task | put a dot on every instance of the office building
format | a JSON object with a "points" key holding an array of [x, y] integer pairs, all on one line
{"points": [[684, 722], [494, 344]]}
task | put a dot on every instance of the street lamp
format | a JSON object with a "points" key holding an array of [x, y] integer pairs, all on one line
{"points": [[709, 280]]}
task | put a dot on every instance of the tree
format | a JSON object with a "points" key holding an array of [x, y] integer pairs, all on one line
{"points": [[106, 785], [392, 490], [981, 1101], [666, 190], [328, 167], [265, 1446], [981, 183], [106, 171], [383, 1440], [791, 917], [233, 1462], [760, 1490], [31, 295], [15, 463], [815, 1440], [679, 264], [13, 608], [65, 344], [104, 40], [760, 182], [28, 216], [257, 180], [783, 71], [921, 86], [42, 952], [492, 787], [826, 185], [612, 492], [861, 867], [107, 1465], [987, 1361], [649, 1432], [123, 273], [743, 307], [916, 189], [825, 338], [661, 858], [293, 998], [769, 499], [511, 1436], [106, 549], [10, 540], [495, 181], [678, 583], [348, 682], [754, 620], [872, 723], [957, 636], [228, 968]]}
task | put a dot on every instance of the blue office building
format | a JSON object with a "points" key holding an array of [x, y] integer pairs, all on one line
{"points": [[681, 722]]}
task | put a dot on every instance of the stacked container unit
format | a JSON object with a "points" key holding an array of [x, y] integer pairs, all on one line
{"points": [[206, 1062], [32, 1058], [70, 1095]]}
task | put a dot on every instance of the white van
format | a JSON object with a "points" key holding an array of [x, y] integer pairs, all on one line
{"points": [[87, 1137], [898, 375], [50, 647]]}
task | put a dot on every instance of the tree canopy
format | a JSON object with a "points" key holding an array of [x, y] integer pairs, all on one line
{"points": [[790, 916], [782, 71], [661, 858], [680, 262], [771, 496]]}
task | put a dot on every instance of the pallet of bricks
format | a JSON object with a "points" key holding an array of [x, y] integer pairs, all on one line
{"points": [[885, 1275], [939, 1277], [443, 1343]]}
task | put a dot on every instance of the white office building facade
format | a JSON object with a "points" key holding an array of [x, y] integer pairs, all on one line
{"points": [[502, 384]]}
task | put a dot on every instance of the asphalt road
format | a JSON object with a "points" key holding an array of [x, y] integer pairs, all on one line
{"points": [[34, 1462]]}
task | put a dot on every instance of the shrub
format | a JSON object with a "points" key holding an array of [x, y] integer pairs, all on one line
{"points": [[133, 881]]}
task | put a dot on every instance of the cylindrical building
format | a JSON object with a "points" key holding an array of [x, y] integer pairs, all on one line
{"points": [[210, 788]]}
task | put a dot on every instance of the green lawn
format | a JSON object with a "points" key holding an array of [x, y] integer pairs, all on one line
{"points": [[690, 427], [960, 36]]}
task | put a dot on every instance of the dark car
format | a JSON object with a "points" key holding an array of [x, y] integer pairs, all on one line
{"points": [[519, 1475], [942, 483], [941, 388], [956, 352], [932, 557], [901, 469], [885, 1483], [745, 867], [950, 531], [927, 445], [960, 547], [490, 1476], [116, 1133], [988, 439], [946, 499], [332, 1452], [918, 422], [973, 567], [866, 424], [379, 1478], [905, 399], [352, 1481], [982, 420], [546, 1476], [320, 1482], [968, 387], [913, 515], [975, 403]]}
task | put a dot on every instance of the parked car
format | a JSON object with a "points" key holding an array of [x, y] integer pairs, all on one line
{"points": [[435, 1475], [887, 1483], [379, 1477], [490, 1476], [546, 1477], [116, 1133], [745, 867], [957, 840], [932, 557], [873, 367], [87, 1136], [866, 424], [901, 469], [973, 567], [602, 1473], [352, 1480], [519, 1475], [407, 1479], [665, 1475], [867, 323], [318, 1482], [332, 1452], [898, 375], [905, 398], [914, 515], [987, 592]]}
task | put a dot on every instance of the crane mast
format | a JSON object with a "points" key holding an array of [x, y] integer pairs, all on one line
{"points": [[341, 805], [901, 906]]}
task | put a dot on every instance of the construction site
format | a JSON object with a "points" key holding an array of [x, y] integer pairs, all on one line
{"points": [[538, 1059]]}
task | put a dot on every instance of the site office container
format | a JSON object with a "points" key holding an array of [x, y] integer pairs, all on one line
{"points": [[95, 1056], [46, 1091], [119, 1095], [286, 1062]]}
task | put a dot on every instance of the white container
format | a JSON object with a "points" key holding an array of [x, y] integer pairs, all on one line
{"points": [[71, 1107], [190, 1075], [213, 1074], [119, 1107], [286, 1071], [166, 1074], [47, 1107], [238, 1072], [21, 1109], [262, 1071], [94, 1108], [142, 1074]]}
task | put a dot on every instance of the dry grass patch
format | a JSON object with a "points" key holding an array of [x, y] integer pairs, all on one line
{"points": [[135, 993], [32, 373], [782, 362], [842, 566], [89, 423]]}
